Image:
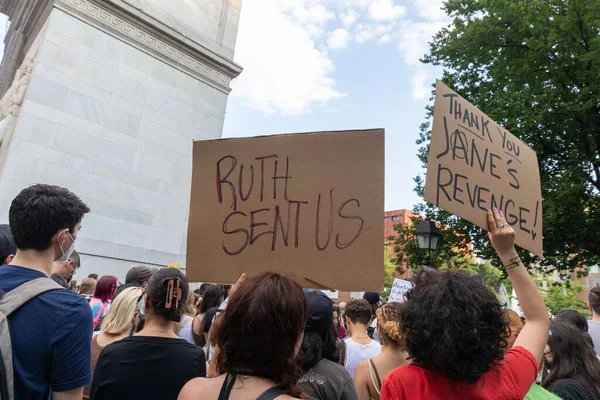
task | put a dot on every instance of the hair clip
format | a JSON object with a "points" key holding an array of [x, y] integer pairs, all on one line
{"points": [[173, 292]]}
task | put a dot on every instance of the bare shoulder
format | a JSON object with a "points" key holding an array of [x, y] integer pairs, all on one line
{"points": [[196, 388], [362, 369]]}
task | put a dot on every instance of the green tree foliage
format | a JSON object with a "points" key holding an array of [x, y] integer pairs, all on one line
{"points": [[389, 270], [453, 253], [534, 67], [408, 255], [563, 297]]}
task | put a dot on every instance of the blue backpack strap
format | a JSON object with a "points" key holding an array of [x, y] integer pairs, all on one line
{"points": [[10, 302]]}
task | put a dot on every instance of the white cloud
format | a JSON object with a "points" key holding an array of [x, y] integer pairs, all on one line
{"points": [[430, 9], [285, 72], [365, 33], [420, 90], [415, 38], [349, 18], [385, 10], [314, 13], [385, 39], [338, 39]]}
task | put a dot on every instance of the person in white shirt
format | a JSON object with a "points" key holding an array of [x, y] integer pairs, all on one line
{"points": [[594, 323], [358, 346]]}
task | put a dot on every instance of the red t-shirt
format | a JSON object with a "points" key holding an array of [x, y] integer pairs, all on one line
{"points": [[510, 379]]}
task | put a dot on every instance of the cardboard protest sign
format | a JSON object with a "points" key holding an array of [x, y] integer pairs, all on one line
{"points": [[399, 289], [309, 206], [475, 164]]}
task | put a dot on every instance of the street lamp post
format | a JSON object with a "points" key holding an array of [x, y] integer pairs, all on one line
{"points": [[428, 238]]}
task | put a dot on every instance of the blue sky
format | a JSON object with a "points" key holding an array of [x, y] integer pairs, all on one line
{"points": [[314, 65]]}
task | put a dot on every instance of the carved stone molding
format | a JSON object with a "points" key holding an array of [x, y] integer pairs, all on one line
{"points": [[26, 19], [194, 60]]}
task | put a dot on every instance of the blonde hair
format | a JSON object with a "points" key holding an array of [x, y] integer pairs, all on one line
{"points": [[515, 324], [87, 287], [189, 310], [388, 319], [119, 319]]}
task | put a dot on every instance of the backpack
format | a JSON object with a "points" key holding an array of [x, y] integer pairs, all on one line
{"points": [[9, 303]]}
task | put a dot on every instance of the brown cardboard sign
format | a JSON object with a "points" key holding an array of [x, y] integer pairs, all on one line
{"points": [[307, 205], [475, 164]]}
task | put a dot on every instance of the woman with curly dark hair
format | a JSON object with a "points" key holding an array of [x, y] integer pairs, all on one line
{"points": [[455, 333], [257, 341], [574, 369]]}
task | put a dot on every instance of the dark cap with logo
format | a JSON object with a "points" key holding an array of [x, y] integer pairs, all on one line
{"points": [[320, 311], [7, 245], [372, 297]]}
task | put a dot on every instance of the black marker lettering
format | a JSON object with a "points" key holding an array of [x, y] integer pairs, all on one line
{"points": [[493, 165], [285, 232], [457, 189], [339, 244], [513, 172], [330, 225], [244, 198], [522, 220], [481, 201], [297, 226], [254, 224], [262, 174], [228, 232], [221, 180], [451, 96], [511, 218], [441, 186], [472, 195]]}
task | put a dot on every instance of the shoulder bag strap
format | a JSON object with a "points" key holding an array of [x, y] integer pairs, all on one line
{"points": [[270, 394], [372, 369], [227, 386], [10, 302], [343, 354]]}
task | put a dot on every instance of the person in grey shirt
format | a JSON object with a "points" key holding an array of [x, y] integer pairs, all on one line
{"points": [[323, 377], [594, 323]]}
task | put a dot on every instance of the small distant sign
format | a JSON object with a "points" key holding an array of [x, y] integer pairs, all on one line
{"points": [[399, 289]]}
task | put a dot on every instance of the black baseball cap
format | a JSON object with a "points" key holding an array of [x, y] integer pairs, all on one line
{"points": [[7, 245], [320, 311], [372, 297]]}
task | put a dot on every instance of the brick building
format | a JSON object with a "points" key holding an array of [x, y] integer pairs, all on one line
{"points": [[391, 219], [590, 281]]}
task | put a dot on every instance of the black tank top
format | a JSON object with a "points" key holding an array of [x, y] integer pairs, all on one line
{"points": [[269, 394]]}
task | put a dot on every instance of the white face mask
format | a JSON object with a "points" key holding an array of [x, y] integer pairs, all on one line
{"points": [[66, 254]]}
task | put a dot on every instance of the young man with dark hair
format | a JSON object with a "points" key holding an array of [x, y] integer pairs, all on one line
{"points": [[66, 269], [7, 245], [358, 346], [594, 323], [51, 332]]}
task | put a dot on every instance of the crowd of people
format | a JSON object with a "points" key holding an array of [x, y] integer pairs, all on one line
{"points": [[266, 337]]}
